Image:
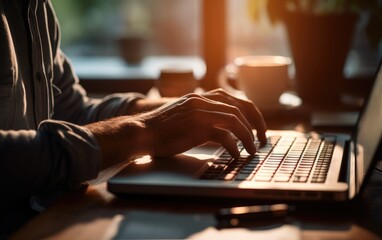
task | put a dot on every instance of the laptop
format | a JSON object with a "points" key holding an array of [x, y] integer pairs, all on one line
{"points": [[291, 166]]}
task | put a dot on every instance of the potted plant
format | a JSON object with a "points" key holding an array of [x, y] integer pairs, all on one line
{"points": [[320, 34]]}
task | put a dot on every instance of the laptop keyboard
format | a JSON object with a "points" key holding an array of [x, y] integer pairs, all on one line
{"points": [[282, 159]]}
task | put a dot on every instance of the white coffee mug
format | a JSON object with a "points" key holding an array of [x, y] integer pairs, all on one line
{"points": [[261, 79]]}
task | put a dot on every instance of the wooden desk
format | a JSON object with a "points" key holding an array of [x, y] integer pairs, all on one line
{"points": [[94, 213]]}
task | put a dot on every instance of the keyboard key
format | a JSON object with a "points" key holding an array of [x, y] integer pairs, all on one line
{"points": [[243, 176], [227, 177], [247, 170], [282, 178], [300, 179], [262, 178], [302, 173]]}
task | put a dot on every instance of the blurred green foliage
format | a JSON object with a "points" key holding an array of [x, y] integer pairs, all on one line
{"points": [[276, 10], [84, 19]]}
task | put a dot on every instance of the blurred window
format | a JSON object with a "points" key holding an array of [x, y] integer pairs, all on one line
{"points": [[136, 29], [140, 27]]}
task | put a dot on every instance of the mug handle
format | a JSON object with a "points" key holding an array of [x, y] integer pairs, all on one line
{"points": [[229, 71]]}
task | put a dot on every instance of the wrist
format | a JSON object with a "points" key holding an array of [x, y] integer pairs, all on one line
{"points": [[120, 139], [145, 104]]}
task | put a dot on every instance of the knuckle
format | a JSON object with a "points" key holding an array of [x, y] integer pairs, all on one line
{"points": [[194, 98], [249, 103], [232, 118], [220, 90], [192, 95], [192, 101], [234, 110]]}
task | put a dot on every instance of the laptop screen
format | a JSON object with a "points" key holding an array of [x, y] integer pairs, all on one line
{"points": [[369, 129]]}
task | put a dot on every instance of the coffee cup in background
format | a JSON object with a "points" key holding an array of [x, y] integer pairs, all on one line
{"points": [[261, 79], [176, 82]]}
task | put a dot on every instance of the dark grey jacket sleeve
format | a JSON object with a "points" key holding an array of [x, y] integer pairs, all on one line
{"points": [[57, 156]]}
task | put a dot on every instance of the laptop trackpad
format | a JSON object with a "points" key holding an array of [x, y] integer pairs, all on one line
{"points": [[184, 166]]}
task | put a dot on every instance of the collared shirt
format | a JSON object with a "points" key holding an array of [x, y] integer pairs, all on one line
{"points": [[43, 147]]}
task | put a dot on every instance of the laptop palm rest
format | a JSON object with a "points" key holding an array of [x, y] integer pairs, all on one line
{"points": [[182, 167]]}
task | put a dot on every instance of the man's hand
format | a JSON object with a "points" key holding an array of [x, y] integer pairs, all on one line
{"points": [[180, 125], [248, 108]]}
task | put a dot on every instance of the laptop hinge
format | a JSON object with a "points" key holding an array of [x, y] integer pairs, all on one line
{"points": [[345, 164], [353, 188], [347, 170]]}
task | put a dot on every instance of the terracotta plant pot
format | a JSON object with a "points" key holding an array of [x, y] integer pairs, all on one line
{"points": [[319, 45]]}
